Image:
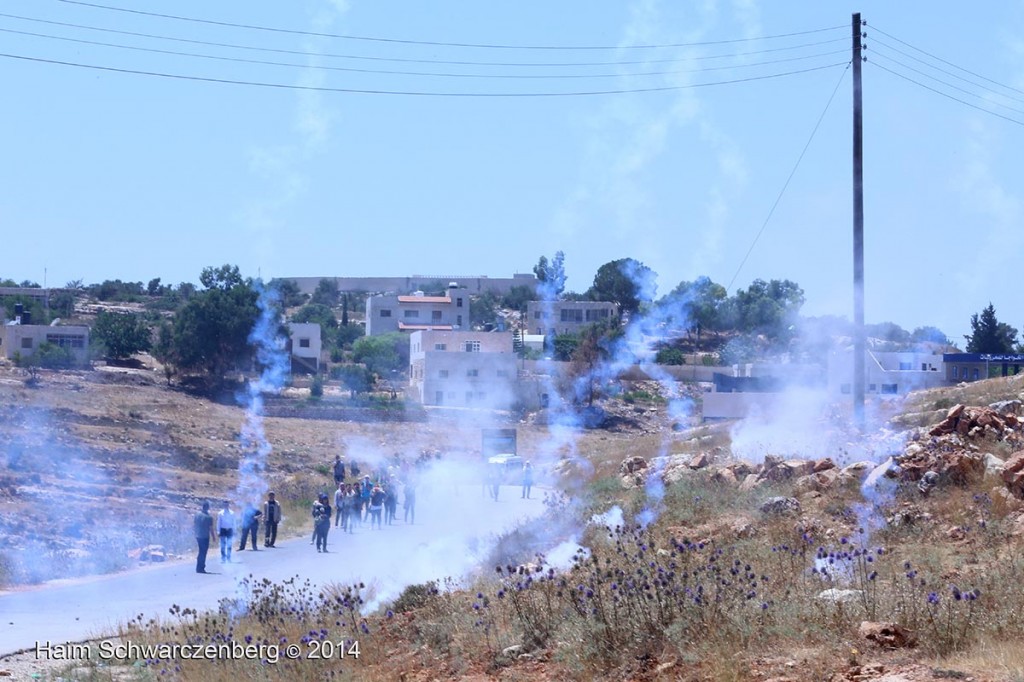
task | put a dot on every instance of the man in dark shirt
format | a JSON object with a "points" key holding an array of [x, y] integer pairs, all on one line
{"points": [[250, 525], [202, 523], [271, 517]]}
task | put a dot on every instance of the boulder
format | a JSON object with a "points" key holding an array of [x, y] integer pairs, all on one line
{"points": [[1002, 498], [993, 465], [631, 465], [823, 465], [725, 475], [887, 635], [700, 460], [788, 470], [781, 505], [858, 469], [750, 482], [820, 482], [1006, 408], [1013, 474]]}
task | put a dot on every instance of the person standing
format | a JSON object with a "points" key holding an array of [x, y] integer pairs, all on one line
{"points": [[321, 522], [350, 515], [339, 470], [250, 526], [527, 479], [365, 490], [339, 499], [202, 523], [409, 503], [390, 501], [271, 517], [225, 529], [376, 505]]}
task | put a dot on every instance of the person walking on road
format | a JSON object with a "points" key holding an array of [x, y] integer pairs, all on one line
{"points": [[339, 470], [202, 523], [339, 499], [271, 517], [376, 505], [527, 479], [321, 522], [409, 503], [225, 529]]}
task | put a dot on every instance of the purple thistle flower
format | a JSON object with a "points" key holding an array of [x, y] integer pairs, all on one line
{"points": [[933, 598]]}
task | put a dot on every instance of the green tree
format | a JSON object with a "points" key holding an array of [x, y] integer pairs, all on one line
{"points": [[288, 292], [929, 335], [326, 293], [382, 354], [769, 308], [989, 335], [888, 331], [483, 309], [121, 335], [517, 297], [627, 282], [595, 345], [551, 276], [154, 288], [563, 346], [695, 304], [356, 378], [346, 336], [211, 331], [670, 356], [316, 312]]}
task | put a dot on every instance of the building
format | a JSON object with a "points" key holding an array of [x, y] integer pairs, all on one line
{"points": [[391, 313], [887, 373], [304, 347], [463, 369], [551, 318], [24, 340], [474, 284], [974, 366]]}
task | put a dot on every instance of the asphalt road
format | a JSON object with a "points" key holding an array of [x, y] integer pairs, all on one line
{"points": [[449, 538]]}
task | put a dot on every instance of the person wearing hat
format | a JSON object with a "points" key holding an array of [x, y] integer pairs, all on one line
{"points": [[321, 522], [271, 517], [202, 523]]}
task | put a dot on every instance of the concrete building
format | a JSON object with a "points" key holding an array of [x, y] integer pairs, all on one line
{"points": [[391, 313], [473, 284], [25, 339], [566, 317], [463, 369], [886, 373], [304, 347], [975, 366]]}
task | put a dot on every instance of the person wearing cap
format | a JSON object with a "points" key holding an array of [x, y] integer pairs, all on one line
{"points": [[202, 523], [271, 517], [321, 522], [225, 529]]}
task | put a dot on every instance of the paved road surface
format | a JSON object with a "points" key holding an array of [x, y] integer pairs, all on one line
{"points": [[443, 542]]}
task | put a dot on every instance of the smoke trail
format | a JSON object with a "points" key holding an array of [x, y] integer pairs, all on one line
{"points": [[273, 363]]}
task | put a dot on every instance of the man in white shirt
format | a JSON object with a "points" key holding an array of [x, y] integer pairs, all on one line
{"points": [[225, 529]]}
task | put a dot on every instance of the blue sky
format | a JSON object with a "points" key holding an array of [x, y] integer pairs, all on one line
{"points": [[116, 175]]}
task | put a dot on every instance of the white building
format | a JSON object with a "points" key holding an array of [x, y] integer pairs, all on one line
{"points": [[463, 368], [390, 313], [304, 347], [25, 339], [551, 318], [886, 373]]}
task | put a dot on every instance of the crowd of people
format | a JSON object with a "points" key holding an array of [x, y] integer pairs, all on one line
{"points": [[358, 499]]}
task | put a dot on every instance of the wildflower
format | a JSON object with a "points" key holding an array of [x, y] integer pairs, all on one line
{"points": [[764, 606], [872, 575], [933, 598], [956, 593], [390, 614]]}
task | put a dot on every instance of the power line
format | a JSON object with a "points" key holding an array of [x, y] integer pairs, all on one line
{"points": [[286, 86], [946, 71], [273, 29], [947, 95], [253, 48], [416, 73], [788, 179], [946, 62], [948, 85]]}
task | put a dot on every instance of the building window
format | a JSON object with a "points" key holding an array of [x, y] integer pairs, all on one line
{"points": [[472, 346], [303, 343], [26, 342], [891, 389], [572, 315], [956, 372], [536, 314], [411, 313], [596, 315], [451, 395], [975, 373], [472, 372], [442, 374], [458, 302], [435, 315], [66, 340], [924, 366], [905, 365], [469, 397], [458, 321], [385, 312], [440, 346], [481, 395]]}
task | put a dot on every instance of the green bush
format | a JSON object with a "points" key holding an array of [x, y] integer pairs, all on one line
{"points": [[316, 389]]}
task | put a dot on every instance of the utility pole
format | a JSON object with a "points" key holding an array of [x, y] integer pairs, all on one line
{"points": [[859, 342]]}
